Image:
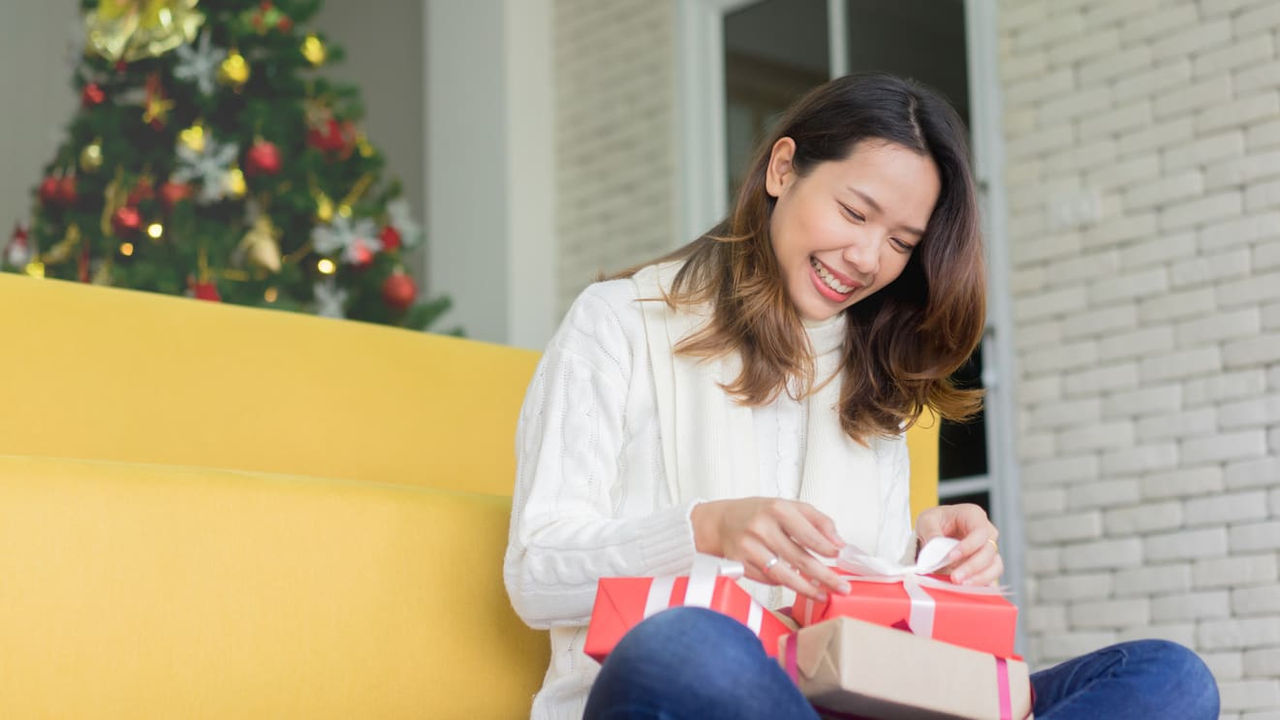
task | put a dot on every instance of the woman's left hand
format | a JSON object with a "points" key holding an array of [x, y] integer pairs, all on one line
{"points": [[976, 560]]}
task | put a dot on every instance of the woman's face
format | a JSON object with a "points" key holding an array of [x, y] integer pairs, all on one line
{"points": [[847, 228]]}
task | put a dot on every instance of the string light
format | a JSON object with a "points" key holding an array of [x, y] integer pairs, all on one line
{"points": [[126, 249], [326, 266], [155, 230]]}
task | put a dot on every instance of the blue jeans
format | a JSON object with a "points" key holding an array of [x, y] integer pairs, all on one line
{"points": [[700, 665]]}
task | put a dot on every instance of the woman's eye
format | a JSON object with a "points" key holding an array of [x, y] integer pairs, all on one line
{"points": [[902, 245], [853, 213]]}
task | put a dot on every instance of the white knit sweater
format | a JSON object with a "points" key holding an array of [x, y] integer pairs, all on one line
{"points": [[591, 498]]}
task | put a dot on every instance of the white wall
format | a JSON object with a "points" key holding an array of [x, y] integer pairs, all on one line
{"points": [[489, 174], [35, 82], [615, 137], [1148, 332]]}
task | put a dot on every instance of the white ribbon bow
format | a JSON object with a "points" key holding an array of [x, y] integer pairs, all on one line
{"points": [[914, 578], [701, 588]]}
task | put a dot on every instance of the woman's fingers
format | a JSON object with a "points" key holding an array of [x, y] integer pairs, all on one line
{"points": [[976, 563], [776, 568]]}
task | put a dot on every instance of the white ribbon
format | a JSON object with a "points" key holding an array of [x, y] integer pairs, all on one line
{"points": [[914, 578], [701, 589]]}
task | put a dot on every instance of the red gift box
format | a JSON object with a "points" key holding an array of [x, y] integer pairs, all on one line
{"points": [[621, 604], [980, 622]]}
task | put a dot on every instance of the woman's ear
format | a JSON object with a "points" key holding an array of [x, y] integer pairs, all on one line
{"points": [[780, 171]]}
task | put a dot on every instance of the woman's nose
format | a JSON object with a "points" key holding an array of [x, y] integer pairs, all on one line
{"points": [[864, 255]]}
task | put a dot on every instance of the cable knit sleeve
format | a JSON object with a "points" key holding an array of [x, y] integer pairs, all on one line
{"points": [[565, 530], [897, 538]]}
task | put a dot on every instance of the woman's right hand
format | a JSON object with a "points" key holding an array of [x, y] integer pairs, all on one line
{"points": [[754, 531]]}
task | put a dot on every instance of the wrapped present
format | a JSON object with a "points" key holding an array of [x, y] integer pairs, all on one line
{"points": [[909, 597], [853, 669], [622, 602]]}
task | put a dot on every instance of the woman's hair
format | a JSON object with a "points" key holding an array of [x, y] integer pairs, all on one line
{"points": [[903, 342]]}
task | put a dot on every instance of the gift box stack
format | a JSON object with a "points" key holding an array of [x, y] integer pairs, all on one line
{"points": [[902, 644]]}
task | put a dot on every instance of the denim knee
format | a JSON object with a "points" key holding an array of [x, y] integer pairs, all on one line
{"points": [[1190, 688], [684, 634]]}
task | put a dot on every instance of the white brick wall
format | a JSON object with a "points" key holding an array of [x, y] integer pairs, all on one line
{"points": [[615, 127], [1149, 341]]}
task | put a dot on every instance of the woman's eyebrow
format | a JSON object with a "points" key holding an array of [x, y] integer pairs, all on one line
{"points": [[876, 206]]}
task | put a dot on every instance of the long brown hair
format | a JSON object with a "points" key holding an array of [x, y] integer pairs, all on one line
{"points": [[902, 343]]}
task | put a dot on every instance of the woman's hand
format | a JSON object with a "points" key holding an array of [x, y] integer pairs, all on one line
{"points": [[976, 560], [772, 538]]}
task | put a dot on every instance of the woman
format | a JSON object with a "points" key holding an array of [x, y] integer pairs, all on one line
{"points": [[747, 396]]}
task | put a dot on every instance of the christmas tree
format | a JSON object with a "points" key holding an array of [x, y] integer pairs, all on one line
{"points": [[210, 157]]}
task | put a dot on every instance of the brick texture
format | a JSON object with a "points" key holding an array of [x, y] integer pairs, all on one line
{"points": [[615, 121], [1149, 377]]}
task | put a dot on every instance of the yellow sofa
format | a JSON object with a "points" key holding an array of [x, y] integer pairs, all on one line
{"points": [[213, 511]]}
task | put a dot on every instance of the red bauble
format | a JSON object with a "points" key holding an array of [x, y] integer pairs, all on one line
{"points": [[331, 136], [203, 290], [92, 95], [284, 25], [126, 220], [262, 159], [49, 191], [67, 190], [172, 193], [390, 238], [399, 291], [363, 255]]}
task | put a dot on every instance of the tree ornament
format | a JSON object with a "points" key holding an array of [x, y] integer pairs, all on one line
{"points": [[260, 246], [390, 238], [126, 221], [172, 193], [211, 166], [324, 207], [156, 107], [128, 30], [236, 187], [313, 50], [67, 194], [18, 252], [399, 290], [91, 156], [363, 146], [203, 290], [265, 18], [331, 300], [193, 138], [400, 217], [92, 95], [64, 247], [357, 241], [49, 192], [262, 159], [234, 70], [198, 63]]}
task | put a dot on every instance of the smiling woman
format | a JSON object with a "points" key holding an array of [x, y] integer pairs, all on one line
{"points": [[745, 397]]}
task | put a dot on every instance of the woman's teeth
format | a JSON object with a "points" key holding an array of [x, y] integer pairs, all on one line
{"points": [[829, 279]]}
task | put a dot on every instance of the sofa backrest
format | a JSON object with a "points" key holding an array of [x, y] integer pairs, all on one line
{"points": [[103, 373], [110, 374]]}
